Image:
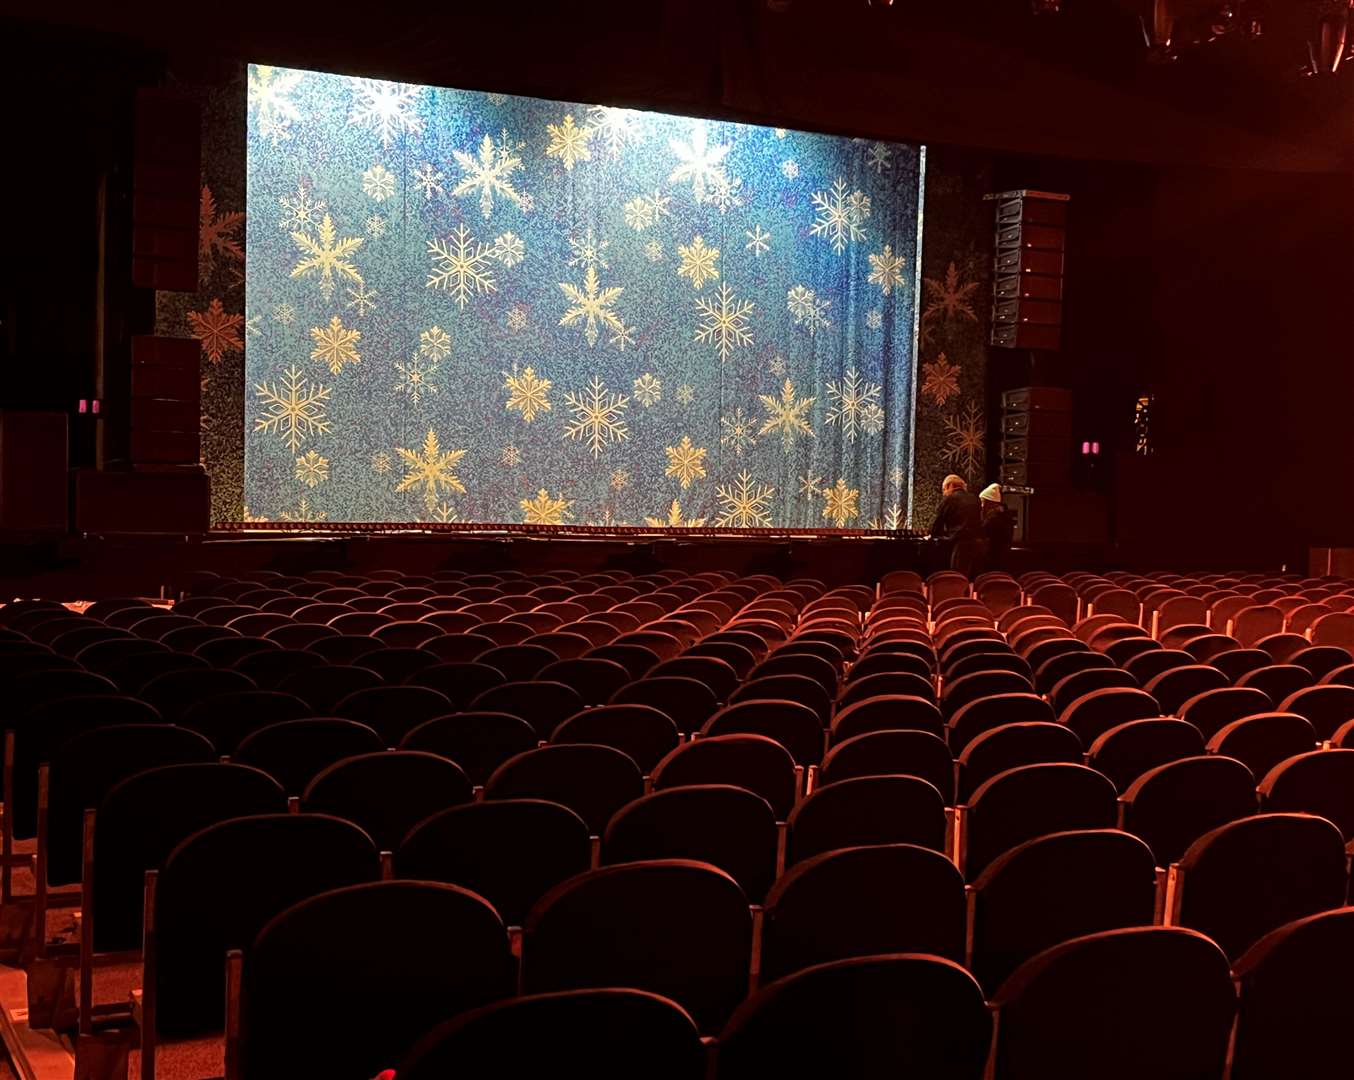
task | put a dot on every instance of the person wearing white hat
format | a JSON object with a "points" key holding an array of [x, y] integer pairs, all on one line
{"points": [[998, 526]]}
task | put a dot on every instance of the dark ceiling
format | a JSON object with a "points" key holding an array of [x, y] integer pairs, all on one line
{"points": [[983, 73]]}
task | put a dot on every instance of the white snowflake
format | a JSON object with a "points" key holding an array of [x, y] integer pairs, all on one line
{"points": [[759, 241], [362, 298], [886, 270], [781, 133], [497, 99], [462, 265], [378, 182], [643, 210], [509, 249], [284, 313], [840, 215], [490, 172], [777, 366], [387, 108], [597, 418], [517, 318], [621, 337], [301, 213], [724, 322], [251, 326], [592, 306], [809, 310], [726, 193], [874, 318], [790, 168], [429, 179], [415, 379], [616, 128], [698, 161], [879, 157], [744, 504], [648, 389], [588, 250], [376, 226], [269, 95], [653, 251], [620, 479], [738, 431], [686, 394], [855, 405], [810, 486]]}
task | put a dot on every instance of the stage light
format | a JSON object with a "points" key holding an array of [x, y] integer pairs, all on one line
{"points": [[1046, 7], [1326, 48]]}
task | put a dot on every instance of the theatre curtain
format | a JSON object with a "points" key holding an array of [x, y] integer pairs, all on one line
{"points": [[471, 307]]}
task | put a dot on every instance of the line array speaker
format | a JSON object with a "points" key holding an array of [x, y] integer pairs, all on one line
{"points": [[1027, 283]]}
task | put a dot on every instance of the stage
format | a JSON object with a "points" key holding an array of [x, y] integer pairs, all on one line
{"points": [[91, 567]]}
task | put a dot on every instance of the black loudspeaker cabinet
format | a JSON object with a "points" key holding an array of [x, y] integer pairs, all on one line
{"points": [[166, 172], [1028, 267], [1037, 474]]}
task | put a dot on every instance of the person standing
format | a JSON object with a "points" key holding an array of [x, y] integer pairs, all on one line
{"points": [[998, 526], [959, 521]]}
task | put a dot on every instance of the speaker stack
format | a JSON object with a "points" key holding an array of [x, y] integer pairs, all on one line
{"points": [[1027, 282]]}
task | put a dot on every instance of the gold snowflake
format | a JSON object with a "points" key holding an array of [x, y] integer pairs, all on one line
{"points": [[362, 299], [786, 414], [744, 504], [245, 515], [284, 313], [293, 409], [303, 512], [839, 215], [808, 309], [526, 392], [588, 250], [326, 256], [379, 182], [511, 456], [434, 343], [965, 439], [620, 479], [685, 461], [416, 378], [886, 270], [617, 128], [648, 389], [568, 142], [334, 345], [380, 463], [854, 404], [698, 262], [597, 417], [312, 469], [739, 431], [490, 173], [461, 265], [674, 519], [950, 298], [218, 332], [940, 380], [432, 468], [759, 241], [841, 503], [686, 394], [643, 210], [810, 486], [270, 91], [698, 161], [543, 510], [591, 306], [724, 322]]}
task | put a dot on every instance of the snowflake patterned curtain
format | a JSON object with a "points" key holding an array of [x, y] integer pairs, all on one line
{"points": [[475, 307]]}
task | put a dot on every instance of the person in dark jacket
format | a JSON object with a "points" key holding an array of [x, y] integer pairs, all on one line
{"points": [[998, 527], [959, 521]]}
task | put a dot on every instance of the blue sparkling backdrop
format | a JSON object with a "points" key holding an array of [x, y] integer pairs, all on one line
{"points": [[483, 308]]}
